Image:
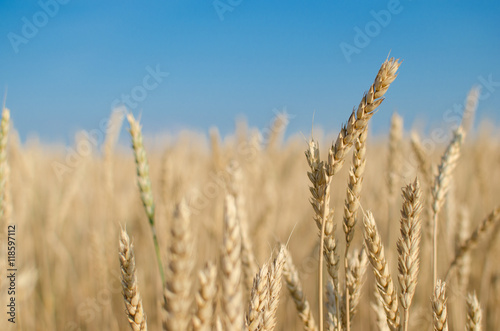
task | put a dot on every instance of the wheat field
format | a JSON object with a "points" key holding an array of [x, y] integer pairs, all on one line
{"points": [[251, 231]]}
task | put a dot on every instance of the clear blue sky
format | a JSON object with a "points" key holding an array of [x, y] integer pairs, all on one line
{"points": [[262, 55]]}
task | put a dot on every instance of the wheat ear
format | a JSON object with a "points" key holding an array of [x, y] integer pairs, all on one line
{"points": [[472, 241], [248, 260], [275, 283], [232, 301], [258, 299], [350, 210], [323, 217], [144, 183], [378, 309], [179, 271], [474, 314], [321, 173], [332, 321], [409, 247], [439, 307], [440, 188], [131, 295], [294, 286], [204, 320], [355, 274], [359, 118], [385, 285]]}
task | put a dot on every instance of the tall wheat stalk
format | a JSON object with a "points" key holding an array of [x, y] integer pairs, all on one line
{"points": [[409, 247], [440, 189], [350, 210], [322, 172], [144, 183]]}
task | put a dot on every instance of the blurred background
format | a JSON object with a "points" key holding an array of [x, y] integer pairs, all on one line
{"points": [[193, 65]]}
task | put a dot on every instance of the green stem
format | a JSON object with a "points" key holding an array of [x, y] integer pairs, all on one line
{"points": [[157, 250]]}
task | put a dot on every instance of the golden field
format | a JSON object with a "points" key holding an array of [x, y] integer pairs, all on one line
{"points": [[240, 197]]}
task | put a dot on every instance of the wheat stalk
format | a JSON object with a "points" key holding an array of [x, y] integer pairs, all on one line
{"points": [[355, 274], [294, 286], [463, 263], [321, 173], [350, 210], [204, 320], [439, 307], [258, 299], [248, 260], [232, 301], [393, 168], [359, 118], [474, 314], [385, 285], [177, 289], [409, 247], [131, 295], [144, 183], [472, 241], [275, 281], [440, 188]]}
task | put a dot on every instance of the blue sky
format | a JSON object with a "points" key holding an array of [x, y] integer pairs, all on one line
{"points": [[243, 58]]}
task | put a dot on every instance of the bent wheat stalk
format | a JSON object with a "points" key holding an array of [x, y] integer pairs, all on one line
{"points": [[472, 241], [322, 172]]}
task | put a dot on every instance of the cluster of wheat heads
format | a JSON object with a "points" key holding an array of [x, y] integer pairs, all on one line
{"points": [[235, 293]]}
